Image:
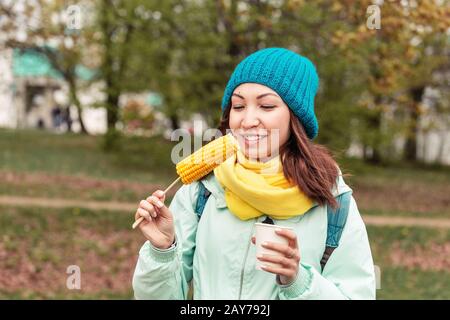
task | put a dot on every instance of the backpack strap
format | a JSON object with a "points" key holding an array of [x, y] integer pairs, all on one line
{"points": [[336, 222], [203, 196]]}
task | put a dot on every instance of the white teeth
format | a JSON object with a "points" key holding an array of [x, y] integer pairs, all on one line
{"points": [[254, 137]]}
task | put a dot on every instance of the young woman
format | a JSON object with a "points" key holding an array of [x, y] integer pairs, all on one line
{"points": [[278, 173]]}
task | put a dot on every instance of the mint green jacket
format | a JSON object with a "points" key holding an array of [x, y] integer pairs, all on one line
{"points": [[216, 253]]}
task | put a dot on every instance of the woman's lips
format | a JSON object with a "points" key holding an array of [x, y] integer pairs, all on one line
{"points": [[253, 140]]}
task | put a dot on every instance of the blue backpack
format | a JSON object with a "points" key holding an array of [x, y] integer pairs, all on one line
{"points": [[336, 219]]}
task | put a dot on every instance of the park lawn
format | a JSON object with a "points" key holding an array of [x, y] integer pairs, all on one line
{"points": [[66, 295], [140, 159], [43, 185], [413, 284], [394, 172], [148, 160], [37, 245], [393, 213], [414, 262]]}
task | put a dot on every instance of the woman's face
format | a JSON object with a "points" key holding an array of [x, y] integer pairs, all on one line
{"points": [[259, 120]]}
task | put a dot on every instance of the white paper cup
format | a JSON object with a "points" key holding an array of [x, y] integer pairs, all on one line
{"points": [[266, 233]]}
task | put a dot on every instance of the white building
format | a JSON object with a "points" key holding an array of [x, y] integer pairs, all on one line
{"points": [[31, 93]]}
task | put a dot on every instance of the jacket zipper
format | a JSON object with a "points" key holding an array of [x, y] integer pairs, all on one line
{"points": [[243, 265]]}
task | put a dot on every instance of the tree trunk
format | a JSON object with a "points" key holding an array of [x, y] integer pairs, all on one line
{"points": [[112, 94], [410, 149], [112, 110], [111, 140], [76, 101], [224, 18], [374, 122], [174, 122]]}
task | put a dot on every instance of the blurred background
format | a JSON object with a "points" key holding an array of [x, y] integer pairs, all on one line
{"points": [[90, 92]]}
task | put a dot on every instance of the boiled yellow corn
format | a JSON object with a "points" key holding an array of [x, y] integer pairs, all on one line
{"points": [[204, 160]]}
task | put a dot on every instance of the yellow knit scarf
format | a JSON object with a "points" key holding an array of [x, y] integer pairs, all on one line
{"points": [[255, 188]]}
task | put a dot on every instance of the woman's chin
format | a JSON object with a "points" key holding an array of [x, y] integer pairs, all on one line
{"points": [[255, 154]]}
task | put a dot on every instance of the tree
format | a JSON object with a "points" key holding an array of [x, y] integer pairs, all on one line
{"points": [[47, 24], [401, 65]]}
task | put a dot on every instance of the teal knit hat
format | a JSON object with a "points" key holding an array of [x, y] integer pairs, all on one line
{"points": [[289, 74]]}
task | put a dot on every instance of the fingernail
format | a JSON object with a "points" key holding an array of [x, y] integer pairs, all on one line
{"points": [[259, 256], [159, 204], [264, 243], [278, 230]]}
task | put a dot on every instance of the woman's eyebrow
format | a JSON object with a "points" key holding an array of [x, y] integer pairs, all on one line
{"points": [[258, 97], [266, 94]]}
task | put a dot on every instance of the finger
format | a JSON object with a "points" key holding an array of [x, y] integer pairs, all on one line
{"points": [[144, 204], [157, 212], [288, 234], [281, 271], [160, 195], [285, 262], [283, 249], [154, 200], [145, 214], [137, 215], [164, 212]]}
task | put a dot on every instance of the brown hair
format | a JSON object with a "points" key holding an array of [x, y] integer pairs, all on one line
{"points": [[308, 165]]}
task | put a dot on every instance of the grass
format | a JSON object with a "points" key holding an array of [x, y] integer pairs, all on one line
{"points": [[402, 279], [66, 295], [67, 187], [37, 245], [148, 159], [394, 172], [382, 238], [404, 284], [396, 213], [44, 189], [140, 159], [40, 243]]}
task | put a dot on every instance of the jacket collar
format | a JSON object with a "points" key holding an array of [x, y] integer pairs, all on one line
{"points": [[216, 189]]}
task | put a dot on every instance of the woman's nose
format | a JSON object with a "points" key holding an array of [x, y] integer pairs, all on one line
{"points": [[250, 120]]}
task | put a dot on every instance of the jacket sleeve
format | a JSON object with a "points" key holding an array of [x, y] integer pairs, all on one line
{"points": [[349, 272], [165, 274]]}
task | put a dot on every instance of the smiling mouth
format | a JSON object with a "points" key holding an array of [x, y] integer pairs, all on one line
{"points": [[253, 139]]}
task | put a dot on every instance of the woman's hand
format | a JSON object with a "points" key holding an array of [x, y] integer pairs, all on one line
{"points": [[157, 225], [289, 260]]}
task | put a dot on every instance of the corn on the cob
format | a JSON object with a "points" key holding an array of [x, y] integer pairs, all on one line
{"points": [[204, 160]]}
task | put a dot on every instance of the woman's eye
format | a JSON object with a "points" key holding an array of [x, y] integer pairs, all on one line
{"points": [[237, 107], [267, 106]]}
